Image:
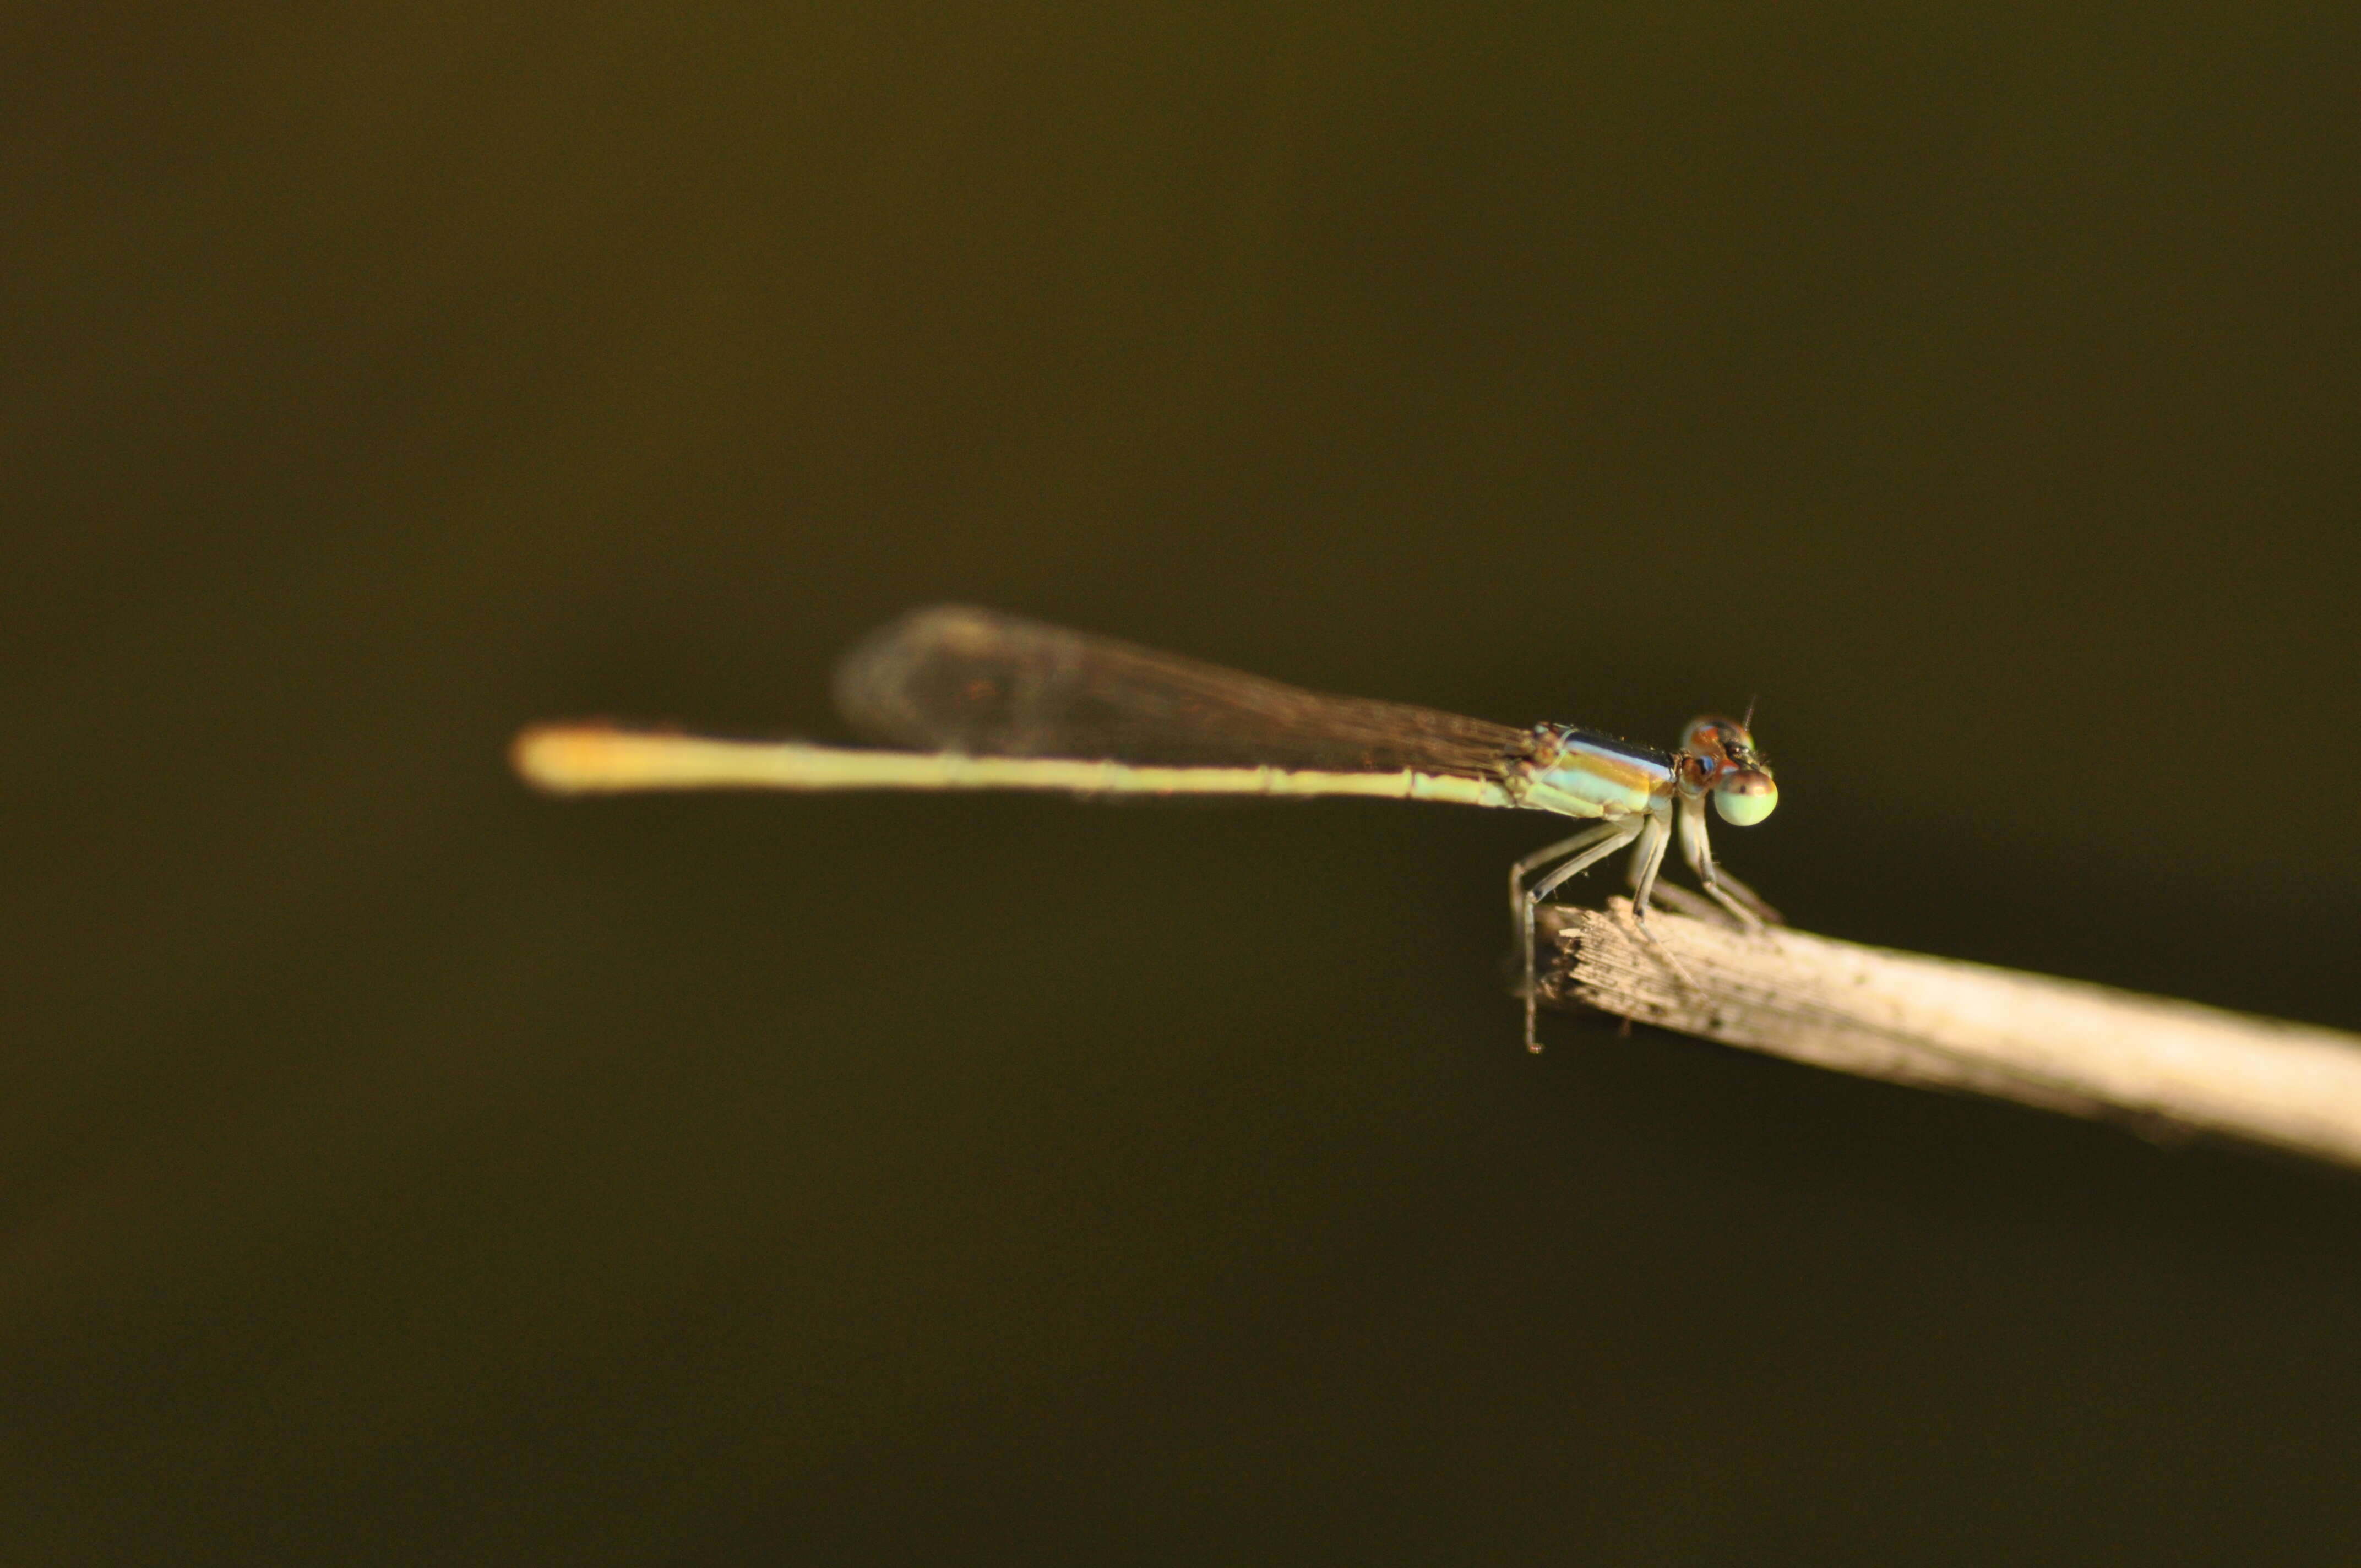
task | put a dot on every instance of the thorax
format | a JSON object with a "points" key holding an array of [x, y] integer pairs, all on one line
{"points": [[1578, 773]]}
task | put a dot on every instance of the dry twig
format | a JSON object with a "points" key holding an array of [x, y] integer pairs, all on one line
{"points": [[2062, 1045]]}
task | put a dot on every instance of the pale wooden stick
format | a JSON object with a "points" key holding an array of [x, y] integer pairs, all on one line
{"points": [[2062, 1045]]}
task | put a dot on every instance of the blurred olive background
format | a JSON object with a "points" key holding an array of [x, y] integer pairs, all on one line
{"points": [[401, 1167]]}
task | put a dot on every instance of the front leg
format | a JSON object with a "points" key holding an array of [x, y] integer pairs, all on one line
{"points": [[1728, 892]]}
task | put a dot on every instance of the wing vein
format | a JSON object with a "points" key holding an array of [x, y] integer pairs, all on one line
{"points": [[959, 679]]}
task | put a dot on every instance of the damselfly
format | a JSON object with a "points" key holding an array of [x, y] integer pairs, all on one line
{"points": [[994, 701]]}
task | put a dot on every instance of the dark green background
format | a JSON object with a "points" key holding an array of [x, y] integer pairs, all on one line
{"points": [[395, 1166]]}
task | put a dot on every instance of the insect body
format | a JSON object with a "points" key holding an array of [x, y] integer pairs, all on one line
{"points": [[976, 699]]}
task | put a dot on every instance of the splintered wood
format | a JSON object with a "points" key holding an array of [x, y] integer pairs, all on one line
{"points": [[2061, 1045]]}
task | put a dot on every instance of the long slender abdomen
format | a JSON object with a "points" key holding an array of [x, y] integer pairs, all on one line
{"points": [[585, 759]]}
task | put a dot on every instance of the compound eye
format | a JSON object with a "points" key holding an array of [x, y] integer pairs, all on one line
{"points": [[1744, 796]]}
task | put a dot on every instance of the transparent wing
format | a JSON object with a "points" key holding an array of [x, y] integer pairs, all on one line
{"points": [[956, 679]]}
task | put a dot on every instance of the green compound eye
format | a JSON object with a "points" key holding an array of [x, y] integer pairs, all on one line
{"points": [[1744, 797]]}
